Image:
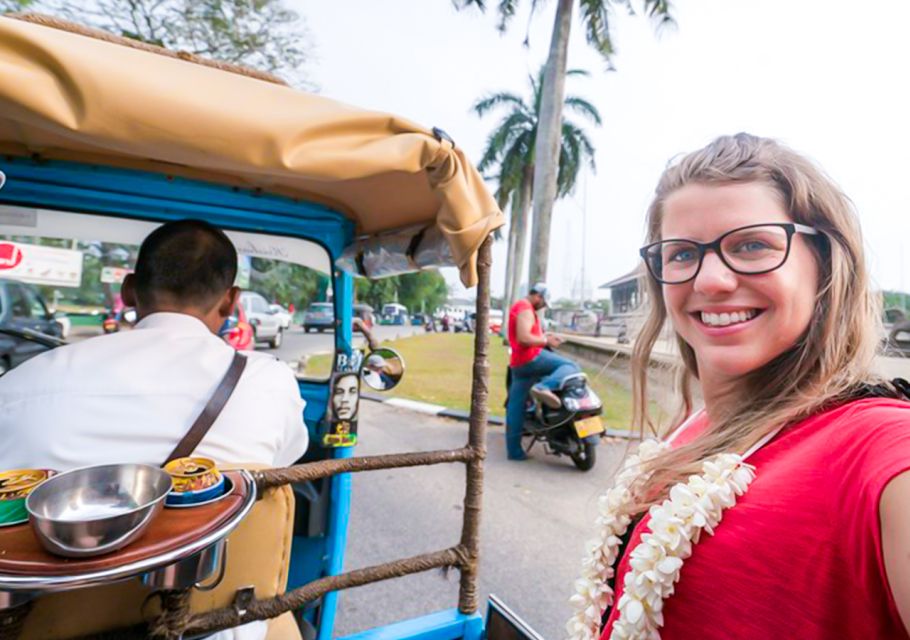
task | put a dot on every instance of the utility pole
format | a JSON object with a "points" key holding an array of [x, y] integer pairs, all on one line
{"points": [[584, 239]]}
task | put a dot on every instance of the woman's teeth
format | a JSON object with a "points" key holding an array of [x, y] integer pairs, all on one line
{"points": [[724, 319]]}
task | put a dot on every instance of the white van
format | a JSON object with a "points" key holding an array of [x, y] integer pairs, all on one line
{"points": [[266, 324]]}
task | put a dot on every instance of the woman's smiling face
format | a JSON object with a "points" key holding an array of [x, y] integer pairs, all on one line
{"points": [[767, 313]]}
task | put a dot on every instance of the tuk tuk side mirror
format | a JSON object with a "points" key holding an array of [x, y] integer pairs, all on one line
{"points": [[382, 369]]}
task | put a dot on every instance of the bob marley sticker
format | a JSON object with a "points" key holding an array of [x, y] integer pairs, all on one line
{"points": [[344, 401]]}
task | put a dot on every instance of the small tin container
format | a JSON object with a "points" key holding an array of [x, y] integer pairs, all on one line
{"points": [[193, 474], [15, 486]]}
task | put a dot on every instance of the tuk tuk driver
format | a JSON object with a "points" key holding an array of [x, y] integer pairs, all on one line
{"points": [[533, 365], [131, 396]]}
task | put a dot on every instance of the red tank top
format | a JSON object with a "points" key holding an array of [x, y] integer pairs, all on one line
{"points": [[800, 554], [521, 354]]}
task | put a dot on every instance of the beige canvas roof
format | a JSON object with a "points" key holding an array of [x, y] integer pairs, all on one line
{"points": [[68, 96]]}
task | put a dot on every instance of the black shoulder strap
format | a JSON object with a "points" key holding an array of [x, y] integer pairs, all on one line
{"points": [[897, 388], [212, 410]]}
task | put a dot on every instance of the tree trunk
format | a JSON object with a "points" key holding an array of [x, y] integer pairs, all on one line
{"points": [[546, 148], [510, 254], [521, 206]]}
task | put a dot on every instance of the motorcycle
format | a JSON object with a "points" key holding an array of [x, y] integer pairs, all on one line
{"points": [[113, 321], [574, 429]]}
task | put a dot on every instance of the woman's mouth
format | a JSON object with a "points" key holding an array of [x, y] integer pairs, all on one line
{"points": [[726, 318]]}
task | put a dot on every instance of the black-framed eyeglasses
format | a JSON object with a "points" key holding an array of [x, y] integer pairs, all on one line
{"points": [[749, 250]]}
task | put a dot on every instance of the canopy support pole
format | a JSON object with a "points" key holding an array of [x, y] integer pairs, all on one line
{"points": [[477, 435]]}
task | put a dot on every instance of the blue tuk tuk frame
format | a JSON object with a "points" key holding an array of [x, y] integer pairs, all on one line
{"points": [[127, 193]]}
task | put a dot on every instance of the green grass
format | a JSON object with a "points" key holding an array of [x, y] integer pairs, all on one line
{"points": [[438, 371]]}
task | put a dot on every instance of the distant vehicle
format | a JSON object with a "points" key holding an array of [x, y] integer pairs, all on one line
{"points": [[283, 315], [394, 313], [365, 313], [319, 316], [237, 331], [419, 319], [25, 318], [495, 320], [65, 324], [899, 339], [266, 326]]}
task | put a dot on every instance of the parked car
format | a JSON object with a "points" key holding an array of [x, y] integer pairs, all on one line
{"points": [[319, 316], [266, 326], [283, 315], [24, 319], [419, 319]]}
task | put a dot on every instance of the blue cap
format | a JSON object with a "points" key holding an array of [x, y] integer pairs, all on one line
{"points": [[541, 289]]}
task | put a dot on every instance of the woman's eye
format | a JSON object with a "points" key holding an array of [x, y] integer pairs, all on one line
{"points": [[682, 255], [751, 246]]}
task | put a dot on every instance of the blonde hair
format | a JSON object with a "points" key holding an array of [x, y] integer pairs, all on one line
{"points": [[823, 368]]}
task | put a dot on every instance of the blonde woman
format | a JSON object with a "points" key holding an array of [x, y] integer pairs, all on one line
{"points": [[781, 509]]}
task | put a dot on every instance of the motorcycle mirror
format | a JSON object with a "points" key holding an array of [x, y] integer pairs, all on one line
{"points": [[382, 369]]}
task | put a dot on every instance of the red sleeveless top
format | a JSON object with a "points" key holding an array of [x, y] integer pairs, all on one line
{"points": [[800, 554], [520, 353]]}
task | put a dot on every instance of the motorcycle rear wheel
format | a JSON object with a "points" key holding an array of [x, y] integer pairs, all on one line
{"points": [[586, 456]]}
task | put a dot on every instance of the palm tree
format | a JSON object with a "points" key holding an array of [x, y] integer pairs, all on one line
{"points": [[510, 150], [595, 16]]}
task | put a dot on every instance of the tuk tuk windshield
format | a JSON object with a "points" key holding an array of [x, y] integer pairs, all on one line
{"points": [[68, 268]]}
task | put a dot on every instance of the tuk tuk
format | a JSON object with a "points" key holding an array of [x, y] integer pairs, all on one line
{"points": [[101, 140]]}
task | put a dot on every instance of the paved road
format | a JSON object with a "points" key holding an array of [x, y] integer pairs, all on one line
{"points": [[297, 343], [537, 515]]}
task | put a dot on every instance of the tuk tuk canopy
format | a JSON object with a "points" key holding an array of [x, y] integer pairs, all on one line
{"points": [[97, 99]]}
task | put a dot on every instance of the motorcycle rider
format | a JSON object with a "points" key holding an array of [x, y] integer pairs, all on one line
{"points": [[534, 367]]}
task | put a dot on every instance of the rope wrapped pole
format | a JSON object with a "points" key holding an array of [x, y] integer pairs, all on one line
{"points": [[477, 435], [269, 478], [272, 607]]}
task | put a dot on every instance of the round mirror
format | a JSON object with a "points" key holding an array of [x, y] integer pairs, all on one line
{"points": [[382, 369]]}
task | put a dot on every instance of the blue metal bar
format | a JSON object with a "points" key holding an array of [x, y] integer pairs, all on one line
{"points": [[339, 515], [449, 624]]}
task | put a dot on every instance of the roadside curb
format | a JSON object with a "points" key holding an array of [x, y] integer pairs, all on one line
{"points": [[427, 408], [463, 416]]}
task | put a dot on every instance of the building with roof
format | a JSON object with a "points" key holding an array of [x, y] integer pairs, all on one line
{"points": [[627, 293]]}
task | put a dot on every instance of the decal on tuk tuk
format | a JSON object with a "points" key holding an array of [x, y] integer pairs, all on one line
{"points": [[344, 401]]}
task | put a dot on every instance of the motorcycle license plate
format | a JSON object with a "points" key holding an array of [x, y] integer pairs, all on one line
{"points": [[589, 426]]}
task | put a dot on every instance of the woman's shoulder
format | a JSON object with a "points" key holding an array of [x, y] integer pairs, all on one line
{"points": [[868, 415], [870, 434]]}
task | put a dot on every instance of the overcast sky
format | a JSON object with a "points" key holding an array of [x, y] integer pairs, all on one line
{"points": [[826, 77]]}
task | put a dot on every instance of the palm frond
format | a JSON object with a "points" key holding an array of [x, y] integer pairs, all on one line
{"points": [[661, 14], [568, 169], [506, 13], [509, 128], [595, 14], [583, 108], [462, 4], [493, 100]]}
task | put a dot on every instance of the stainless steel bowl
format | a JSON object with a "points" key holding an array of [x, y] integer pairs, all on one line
{"points": [[96, 510]]}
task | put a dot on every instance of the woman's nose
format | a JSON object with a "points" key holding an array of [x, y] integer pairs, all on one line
{"points": [[714, 276]]}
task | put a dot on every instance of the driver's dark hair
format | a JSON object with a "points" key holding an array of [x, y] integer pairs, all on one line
{"points": [[187, 262]]}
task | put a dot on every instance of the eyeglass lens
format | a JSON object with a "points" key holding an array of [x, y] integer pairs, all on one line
{"points": [[751, 250]]}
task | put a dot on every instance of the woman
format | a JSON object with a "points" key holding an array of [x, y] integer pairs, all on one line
{"points": [[798, 462]]}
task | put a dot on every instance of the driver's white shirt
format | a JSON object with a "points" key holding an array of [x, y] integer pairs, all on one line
{"points": [[131, 396]]}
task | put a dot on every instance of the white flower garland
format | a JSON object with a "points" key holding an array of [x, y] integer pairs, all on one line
{"points": [[654, 565]]}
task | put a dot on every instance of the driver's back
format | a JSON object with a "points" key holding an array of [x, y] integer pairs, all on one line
{"points": [[131, 396]]}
